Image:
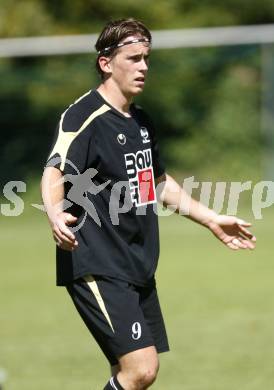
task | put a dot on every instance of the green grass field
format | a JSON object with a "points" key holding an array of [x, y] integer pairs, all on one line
{"points": [[218, 306]]}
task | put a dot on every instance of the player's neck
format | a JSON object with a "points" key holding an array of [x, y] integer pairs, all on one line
{"points": [[114, 96]]}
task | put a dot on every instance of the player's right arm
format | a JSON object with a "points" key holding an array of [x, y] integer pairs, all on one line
{"points": [[52, 189], [72, 152]]}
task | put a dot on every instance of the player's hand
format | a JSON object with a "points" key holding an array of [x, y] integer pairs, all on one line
{"points": [[62, 235], [232, 232]]}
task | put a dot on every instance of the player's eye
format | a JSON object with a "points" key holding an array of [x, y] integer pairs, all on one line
{"points": [[136, 58], [139, 58]]}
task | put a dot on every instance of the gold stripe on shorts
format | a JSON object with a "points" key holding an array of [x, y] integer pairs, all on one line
{"points": [[94, 288]]}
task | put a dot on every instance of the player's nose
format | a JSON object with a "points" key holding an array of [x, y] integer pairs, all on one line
{"points": [[144, 65]]}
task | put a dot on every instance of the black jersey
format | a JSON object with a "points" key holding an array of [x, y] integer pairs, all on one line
{"points": [[109, 161]]}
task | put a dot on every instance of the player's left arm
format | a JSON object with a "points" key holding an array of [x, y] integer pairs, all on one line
{"points": [[230, 230]]}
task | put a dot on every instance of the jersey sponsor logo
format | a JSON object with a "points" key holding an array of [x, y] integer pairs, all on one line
{"points": [[145, 135], [141, 178], [121, 138], [136, 331]]}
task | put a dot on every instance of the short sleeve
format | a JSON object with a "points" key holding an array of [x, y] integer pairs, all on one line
{"points": [[73, 149]]}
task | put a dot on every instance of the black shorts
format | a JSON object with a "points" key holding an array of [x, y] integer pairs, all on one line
{"points": [[122, 317]]}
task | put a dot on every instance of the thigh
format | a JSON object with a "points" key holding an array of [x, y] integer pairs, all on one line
{"points": [[141, 358], [150, 306], [111, 310]]}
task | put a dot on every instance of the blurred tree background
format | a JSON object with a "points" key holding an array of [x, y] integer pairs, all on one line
{"points": [[205, 103]]}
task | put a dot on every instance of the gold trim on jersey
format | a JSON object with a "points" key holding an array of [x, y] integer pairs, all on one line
{"points": [[94, 288], [65, 138]]}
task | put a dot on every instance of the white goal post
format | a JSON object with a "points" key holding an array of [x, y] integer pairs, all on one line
{"points": [[164, 39]]}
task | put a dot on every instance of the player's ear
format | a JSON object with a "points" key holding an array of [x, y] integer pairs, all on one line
{"points": [[105, 65]]}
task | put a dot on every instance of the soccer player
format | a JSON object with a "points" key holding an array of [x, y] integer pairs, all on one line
{"points": [[99, 191]]}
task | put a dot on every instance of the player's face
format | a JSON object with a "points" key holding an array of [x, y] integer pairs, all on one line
{"points": [[129, 67]]}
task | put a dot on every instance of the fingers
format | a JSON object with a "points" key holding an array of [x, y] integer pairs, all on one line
{"points": [[63, 223], [63, 237], [241, 222], [245, 232], [65, 220], [236, 244], [233, 232], [240, 243], [57, 240], [249, 244], [232, 246], [65, 232], [69, 219], [243, 225], [65, 246], [63, 241], [246, 238]]}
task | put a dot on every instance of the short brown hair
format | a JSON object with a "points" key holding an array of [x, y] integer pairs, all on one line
{"points": [[116, 31]]}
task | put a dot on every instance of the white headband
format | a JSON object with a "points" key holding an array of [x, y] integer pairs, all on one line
{"points": [[116, 46]]}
